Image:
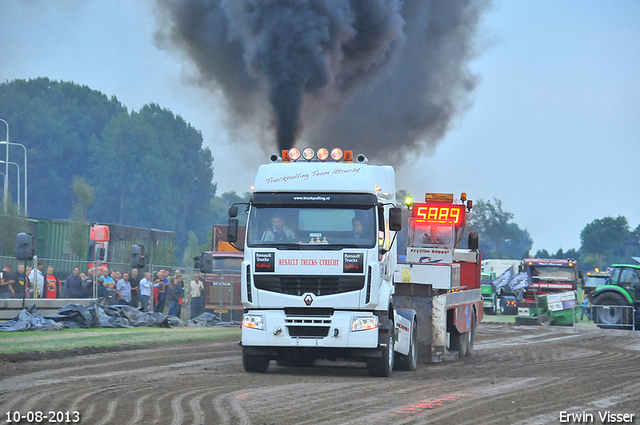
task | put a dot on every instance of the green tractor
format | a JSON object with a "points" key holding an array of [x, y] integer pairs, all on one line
{"points": [[616, 304]]}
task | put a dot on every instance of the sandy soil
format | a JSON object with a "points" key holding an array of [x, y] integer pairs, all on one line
{"points": [[518, 375]]}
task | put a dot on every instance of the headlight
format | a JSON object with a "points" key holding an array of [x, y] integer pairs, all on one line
{"points": [[364, 323], [253, 321]]}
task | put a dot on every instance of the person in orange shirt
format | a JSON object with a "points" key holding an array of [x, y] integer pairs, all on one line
{"points": [[52, 284]]}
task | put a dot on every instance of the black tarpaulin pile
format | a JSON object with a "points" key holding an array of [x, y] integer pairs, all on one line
{"points": [[78, 316], [29, 320]]}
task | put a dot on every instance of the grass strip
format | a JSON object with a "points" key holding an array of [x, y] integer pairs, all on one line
{"points": [[40, 341]]}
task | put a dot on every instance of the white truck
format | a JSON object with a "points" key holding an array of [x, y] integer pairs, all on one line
{"points": [[319, 265]]}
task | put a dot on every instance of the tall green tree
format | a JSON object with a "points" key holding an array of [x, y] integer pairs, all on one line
{"points": [[499, 237], [79, 227], [609, 240], [156, 174]]}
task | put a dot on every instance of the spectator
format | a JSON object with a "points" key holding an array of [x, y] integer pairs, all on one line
{"points": [[30, 288], [37, 280], [108, 280], [123, 289], [6, 284], [173, 296], [102, 289], [111, 295], [145, 291], [73, 284], [87, 284], [165, 282], [134, 280], [180, 286], [52, 284], [159, 292], [196, 296], [115, 275], [19, 278]]}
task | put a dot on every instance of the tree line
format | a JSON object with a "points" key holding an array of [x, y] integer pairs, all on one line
{"points": [[91, 159], [604, 241]]}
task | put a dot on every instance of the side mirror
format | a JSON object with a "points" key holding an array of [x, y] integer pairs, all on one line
{"points": [[395, 219], [102, 254], [233, 211], [580, 274], [196, 263], [232, 230], [473, 241]]}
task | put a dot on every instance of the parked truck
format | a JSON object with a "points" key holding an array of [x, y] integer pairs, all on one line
{"points": [[319, 267], [492, 269], [550, 297]]}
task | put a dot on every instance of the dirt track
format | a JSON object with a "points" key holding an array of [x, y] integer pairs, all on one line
{"points": [[519, 374]]}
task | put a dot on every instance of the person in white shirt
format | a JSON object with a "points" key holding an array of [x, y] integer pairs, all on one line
{"points": [[37, 278], [145, 291], [196, 296]]}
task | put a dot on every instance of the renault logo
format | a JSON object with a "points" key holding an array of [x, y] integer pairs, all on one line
{"points": [[308, 299]]}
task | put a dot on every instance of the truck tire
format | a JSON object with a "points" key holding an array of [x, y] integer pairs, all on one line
{"points": [[472, 335], [382, 366], [460, 342], [544, 320], [410, 361], [253, 363], [612, 318]]}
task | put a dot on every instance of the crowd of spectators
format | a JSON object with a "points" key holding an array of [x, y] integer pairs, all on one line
{"points": [[147, 292]]}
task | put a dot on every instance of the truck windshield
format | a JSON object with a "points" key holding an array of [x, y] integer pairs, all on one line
{"points": [[422, 233], [552, 273], [312, 228], [227, 265]]}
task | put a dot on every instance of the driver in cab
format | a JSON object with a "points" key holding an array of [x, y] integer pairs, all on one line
{"points": [[278, 231], [434, 238]]}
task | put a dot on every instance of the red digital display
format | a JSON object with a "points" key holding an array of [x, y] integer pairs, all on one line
{"points": [[439, 213]]}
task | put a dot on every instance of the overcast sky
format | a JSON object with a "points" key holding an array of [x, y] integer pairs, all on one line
{"points": [[553, 128]]}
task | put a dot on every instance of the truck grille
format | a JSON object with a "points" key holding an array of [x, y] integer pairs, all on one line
{"points": [[298, 285]]}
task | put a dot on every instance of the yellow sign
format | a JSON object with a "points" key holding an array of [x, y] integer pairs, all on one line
{"points": [[439, 197]]}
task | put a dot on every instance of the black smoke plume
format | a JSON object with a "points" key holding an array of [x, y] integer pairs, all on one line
{"points": [[384, 77]]}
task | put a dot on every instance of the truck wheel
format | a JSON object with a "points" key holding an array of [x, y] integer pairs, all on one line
{"points": [[460, 342], [382, 366], [472, 335], [611, 318], [544, 320], [410, 361], [253, 363]]}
